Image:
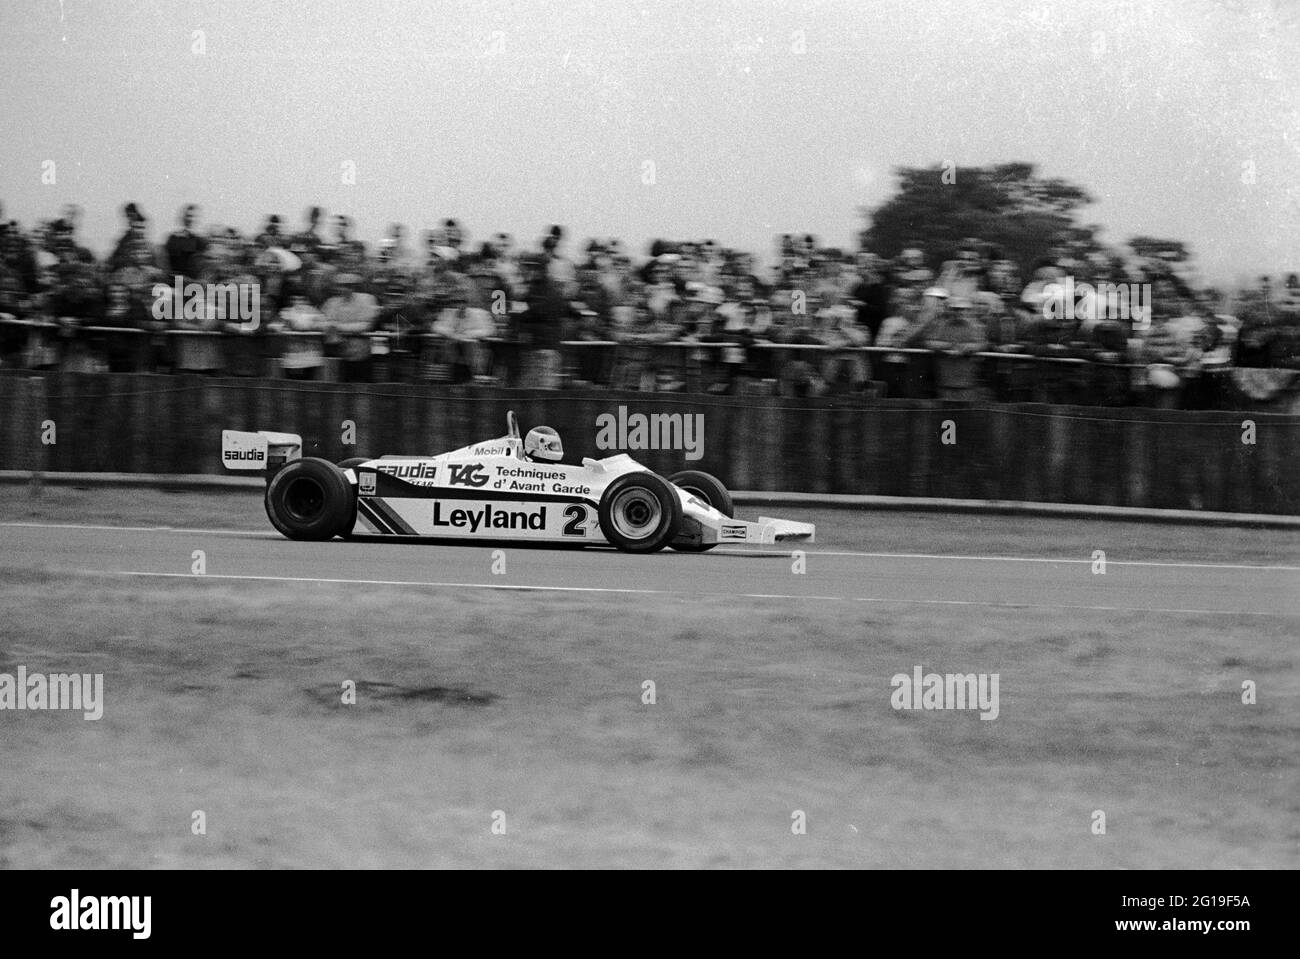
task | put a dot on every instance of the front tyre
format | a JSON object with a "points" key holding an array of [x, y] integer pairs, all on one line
{"points": [[640, 513], [708, 488], [310, 499]]}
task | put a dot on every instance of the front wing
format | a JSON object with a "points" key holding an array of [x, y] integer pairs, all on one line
{"points": [[704, 525]]}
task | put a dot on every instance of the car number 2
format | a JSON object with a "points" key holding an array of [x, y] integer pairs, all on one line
{"points": [[576, 514]]}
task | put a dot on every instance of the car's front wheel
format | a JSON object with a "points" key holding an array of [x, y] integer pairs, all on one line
{"points": [[640, 513], [310, 499]]}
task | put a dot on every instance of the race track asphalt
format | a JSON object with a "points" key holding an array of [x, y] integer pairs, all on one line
{"points": [[733, 575]]}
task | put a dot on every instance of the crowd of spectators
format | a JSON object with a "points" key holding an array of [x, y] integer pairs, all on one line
{"points": [[687, 315]]}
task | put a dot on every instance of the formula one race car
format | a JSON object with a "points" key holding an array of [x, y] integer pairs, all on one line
{"points": [[507, 489]]}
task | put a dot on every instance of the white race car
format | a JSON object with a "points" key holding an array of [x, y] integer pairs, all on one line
{"points": [[503, 490]]}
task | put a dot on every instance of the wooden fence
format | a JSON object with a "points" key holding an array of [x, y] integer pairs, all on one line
{"points": [[1215, 460]]}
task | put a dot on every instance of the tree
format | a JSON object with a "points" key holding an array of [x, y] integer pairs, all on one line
{"points": [[1009, 205]]}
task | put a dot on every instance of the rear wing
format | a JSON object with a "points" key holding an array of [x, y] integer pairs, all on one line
{"points": [[262, 450]]}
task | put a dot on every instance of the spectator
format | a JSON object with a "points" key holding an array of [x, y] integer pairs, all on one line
{"points": [[559, 268], [543, 324], [462, 330], [957, 335], [964, 277], [303, 356], [184, 248], [349, 317], [196, 346], [308, 245], [844, 368], [398, 253], [871, 294], [911, 269], [798, 374], [347, 254], [133, 246], [125, 353], [271, 235]]}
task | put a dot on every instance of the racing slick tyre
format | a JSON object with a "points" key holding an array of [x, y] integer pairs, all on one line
{"points": [[640, 513], [310, 499], [348, 464], [708, 488]]}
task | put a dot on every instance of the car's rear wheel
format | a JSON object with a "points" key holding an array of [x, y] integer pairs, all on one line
{"points": [[640, 513], [708, 488], [310, 499]]}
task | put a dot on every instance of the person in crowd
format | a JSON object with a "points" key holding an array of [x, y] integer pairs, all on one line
{"points": [[795, 325], [844, 367], [133, 246], [303, 356], [18, 257], [452, 234], [125, 353], [349, 319], [559, 268], [956, 334], [348, 255], [185, 247], [964, 276], [871, 293], [308, 244], [271, 270], [272, 235], [910, 269], [195, 344], [395, 249], [1170, 346], [462, 331], [73, 281], [1260, 326]]}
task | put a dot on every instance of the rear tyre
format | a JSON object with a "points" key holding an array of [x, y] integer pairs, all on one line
{"points": [[348, 464], [708, 488], [310, 499], [640, 513]]}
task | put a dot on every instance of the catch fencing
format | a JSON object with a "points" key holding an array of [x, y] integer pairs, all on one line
{"points": [[1213, 460]]}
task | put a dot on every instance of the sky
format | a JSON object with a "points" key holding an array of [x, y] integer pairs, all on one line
{"points": [[731, 120]]}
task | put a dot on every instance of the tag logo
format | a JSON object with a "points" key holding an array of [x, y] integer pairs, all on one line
{"points": [[366, 484], [471, 475]]}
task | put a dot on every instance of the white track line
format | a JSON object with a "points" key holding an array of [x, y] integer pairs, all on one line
{"points": [[1027, 559], [674, 592], [722, 551], [143, 529]]}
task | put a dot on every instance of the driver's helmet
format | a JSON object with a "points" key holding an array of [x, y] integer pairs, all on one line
{"points": [[543, 443]]}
